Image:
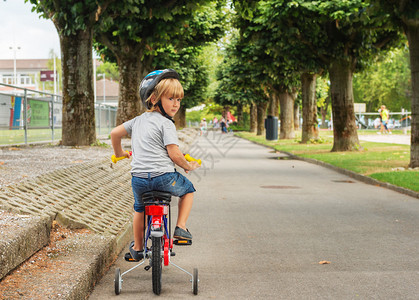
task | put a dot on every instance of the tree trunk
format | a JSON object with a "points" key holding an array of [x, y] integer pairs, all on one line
{"points": [[310, 128], [78, 96], [261, 115], [226, 109], [412, 32], [296, 113], [344, 128], [180, 118], [253, 117], [239, 114], [273, 106], [131, 74], [286, 101]]}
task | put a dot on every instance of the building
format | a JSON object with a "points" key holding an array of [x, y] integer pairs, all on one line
{"points": [[111, 95], [27, 73]]}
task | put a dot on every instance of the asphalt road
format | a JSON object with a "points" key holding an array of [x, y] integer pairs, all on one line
{"points": [[261, 225]]}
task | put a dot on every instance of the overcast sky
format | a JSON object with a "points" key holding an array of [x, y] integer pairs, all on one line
{"points": [[19, 27]]}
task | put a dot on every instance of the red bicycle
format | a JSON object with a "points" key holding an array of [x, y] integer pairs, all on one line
{"points": [[157, 230]]}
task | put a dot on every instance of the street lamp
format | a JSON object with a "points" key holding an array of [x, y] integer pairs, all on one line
{"points": [[104, 86], [14, 63]]}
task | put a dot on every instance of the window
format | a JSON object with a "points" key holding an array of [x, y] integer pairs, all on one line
{"points": [[7, 78], [25, 79]]}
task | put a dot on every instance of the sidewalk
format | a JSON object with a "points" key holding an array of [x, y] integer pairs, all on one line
{"points": [[78, 216], [386, 138]]}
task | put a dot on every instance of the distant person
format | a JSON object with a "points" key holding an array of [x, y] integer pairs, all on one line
{"points": [[203, 126], [223, 124], [215, 122], [384, 113]]}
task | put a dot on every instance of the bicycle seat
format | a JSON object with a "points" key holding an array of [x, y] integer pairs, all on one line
{"points": [[156, 197]]}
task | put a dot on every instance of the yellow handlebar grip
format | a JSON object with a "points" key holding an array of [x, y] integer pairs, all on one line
{"points": [[190, 158], [116, 159]]}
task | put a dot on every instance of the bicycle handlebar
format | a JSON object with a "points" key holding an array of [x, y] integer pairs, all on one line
{"points": [[116, 159], [187, 157]]}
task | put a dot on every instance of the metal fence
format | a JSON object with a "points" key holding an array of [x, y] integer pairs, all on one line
{"points": [[397, 120], [29, 116]]}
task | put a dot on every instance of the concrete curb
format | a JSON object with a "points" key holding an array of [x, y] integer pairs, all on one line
{"points": [[72, 197], [360, 177], [29, 234]]}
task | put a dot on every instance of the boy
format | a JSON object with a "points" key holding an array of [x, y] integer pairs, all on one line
{"points": [[155, 152]]}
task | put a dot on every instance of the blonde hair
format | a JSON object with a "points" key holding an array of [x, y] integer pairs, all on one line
{"points": [[170, 87]]}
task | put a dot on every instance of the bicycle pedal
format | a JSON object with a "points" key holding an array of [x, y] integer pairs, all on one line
{"points": [[147, 268], [172, 253], [182, 242], [129, 258]]}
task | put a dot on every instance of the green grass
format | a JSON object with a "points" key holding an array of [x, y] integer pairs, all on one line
{"points": [[375, 160], [15, 137], [8, 137], [407, 179]]}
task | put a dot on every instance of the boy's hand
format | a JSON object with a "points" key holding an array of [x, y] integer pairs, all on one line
{"points": [[122, 154], [192, 166]]}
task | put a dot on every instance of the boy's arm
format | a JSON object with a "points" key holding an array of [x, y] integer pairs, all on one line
{"points": [[116, 135], [177, 157]]}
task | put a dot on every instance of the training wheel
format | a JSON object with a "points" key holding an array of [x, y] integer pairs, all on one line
{"points": [[195, 281], [118, 281]]}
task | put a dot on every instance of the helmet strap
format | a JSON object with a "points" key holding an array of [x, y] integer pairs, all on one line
{"points": [[164, 112]]}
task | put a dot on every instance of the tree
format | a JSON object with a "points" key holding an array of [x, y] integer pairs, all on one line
{"points": [[344, 37], [297, 58], [386, 81], [135, 36], [239, 82], [109, 69], [271, 50], [74, 21], [404, 15]]}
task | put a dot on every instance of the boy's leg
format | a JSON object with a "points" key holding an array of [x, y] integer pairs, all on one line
{"points": [[138, 229], [185, 206]]}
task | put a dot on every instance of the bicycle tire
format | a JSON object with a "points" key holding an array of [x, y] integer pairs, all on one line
{"points": [[156, 264], [195, 281], [118, 281]]}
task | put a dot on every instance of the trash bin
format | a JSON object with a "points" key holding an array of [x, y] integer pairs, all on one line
{"points": [[271, 126]]}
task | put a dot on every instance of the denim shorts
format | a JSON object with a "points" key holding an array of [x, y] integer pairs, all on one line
{"points": [[173, 182]]}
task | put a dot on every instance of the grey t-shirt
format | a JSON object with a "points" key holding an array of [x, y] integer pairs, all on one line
{"points": [[150, 134]]}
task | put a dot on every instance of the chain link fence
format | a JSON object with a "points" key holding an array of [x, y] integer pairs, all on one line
{"points": [[29, 116]]}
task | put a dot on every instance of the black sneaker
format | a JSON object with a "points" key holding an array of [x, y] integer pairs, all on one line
{"points": [[182, 234], [136, 255]]}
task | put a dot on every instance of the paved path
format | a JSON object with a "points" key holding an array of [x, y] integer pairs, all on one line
{"points": [[386, 138], [261, 226]]}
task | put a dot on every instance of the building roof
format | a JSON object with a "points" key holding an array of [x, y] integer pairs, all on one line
{"points": [[112, 88], [27, 64]]}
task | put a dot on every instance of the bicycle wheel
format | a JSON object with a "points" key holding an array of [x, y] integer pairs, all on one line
{"points": [[156, 264], [118, 281]]}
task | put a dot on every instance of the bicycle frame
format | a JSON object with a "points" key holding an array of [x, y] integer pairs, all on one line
{"points": [[157, 224]]}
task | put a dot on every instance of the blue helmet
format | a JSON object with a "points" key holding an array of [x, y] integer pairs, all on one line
{"points": [[149, 82]]}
